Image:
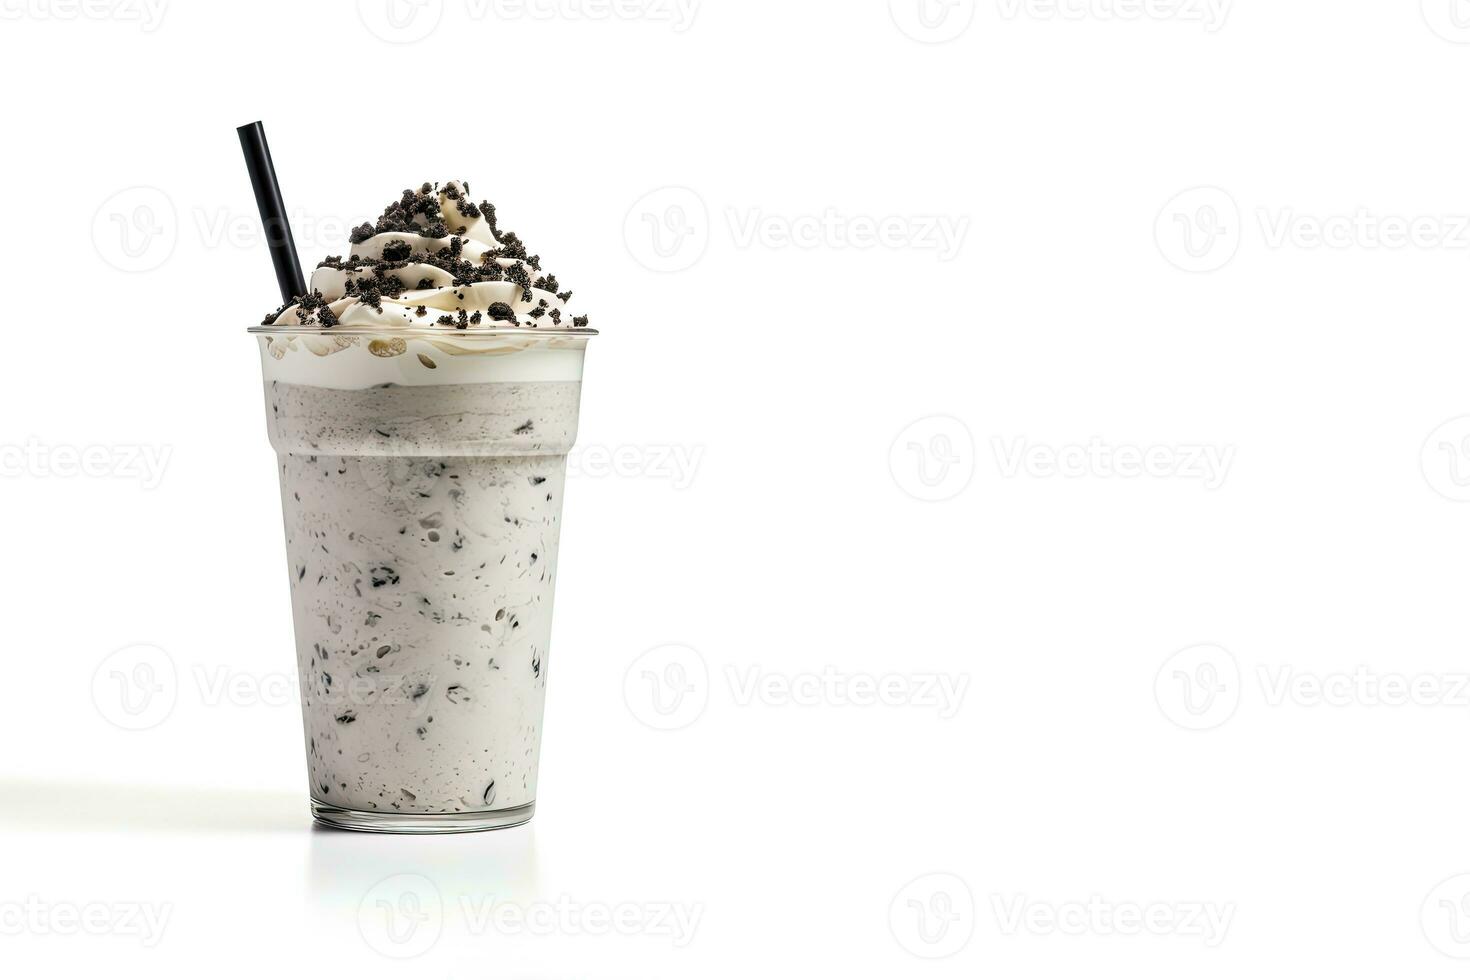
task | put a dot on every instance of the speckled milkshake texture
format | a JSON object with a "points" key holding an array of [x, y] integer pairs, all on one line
{"points": [[421, 530]]}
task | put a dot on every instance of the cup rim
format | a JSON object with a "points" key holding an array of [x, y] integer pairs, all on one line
{"points": [[425, 331]]}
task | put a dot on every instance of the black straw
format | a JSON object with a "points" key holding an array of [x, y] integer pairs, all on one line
{"points": [[272, 211]]}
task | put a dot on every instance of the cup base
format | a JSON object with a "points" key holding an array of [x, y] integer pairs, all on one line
{"points": [[374, 822]]}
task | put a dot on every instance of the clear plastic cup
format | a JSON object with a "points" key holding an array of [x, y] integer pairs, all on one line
{"points": [[422, 475]]}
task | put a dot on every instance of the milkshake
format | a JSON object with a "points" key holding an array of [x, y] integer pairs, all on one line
{"points": [[422, 400]]}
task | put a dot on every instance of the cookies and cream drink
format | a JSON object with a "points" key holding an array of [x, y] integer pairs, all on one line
{"points": [[422, 399]]}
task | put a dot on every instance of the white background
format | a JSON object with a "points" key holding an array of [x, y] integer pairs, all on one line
{"points": [[1223, 694]]}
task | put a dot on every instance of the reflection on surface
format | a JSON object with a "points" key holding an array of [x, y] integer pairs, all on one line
{"points": [[346, 866], [38, 805], [398, 896]]}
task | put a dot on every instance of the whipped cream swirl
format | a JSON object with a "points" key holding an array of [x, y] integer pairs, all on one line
{"points": [[433, 259]]}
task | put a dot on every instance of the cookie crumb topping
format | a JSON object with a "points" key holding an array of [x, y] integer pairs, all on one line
{"points": [[445, 232]]}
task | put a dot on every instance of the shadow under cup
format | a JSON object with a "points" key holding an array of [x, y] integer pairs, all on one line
{"points": [[422, 475]]}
